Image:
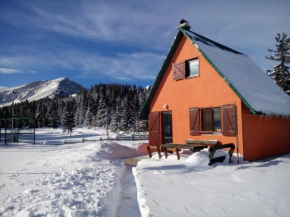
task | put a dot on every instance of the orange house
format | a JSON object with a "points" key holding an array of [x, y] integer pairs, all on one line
{"points": [[207, 91]]}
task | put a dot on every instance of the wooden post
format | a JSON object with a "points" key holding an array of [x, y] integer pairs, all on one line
{"points": [[159, 153], [149, 151], [165, 152], [5, 132], [34, 132], [0, 132], [177, 153]]}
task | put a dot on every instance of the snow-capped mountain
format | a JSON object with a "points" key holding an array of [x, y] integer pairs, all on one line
{"points": [[39, 89]]}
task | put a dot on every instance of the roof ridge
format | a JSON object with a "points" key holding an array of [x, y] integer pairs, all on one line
{"points": [[215, 43]]}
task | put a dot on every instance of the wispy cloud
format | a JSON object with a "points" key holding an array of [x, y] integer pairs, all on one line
{"points": [[97, 20], [14, 71], [9, 71], [135, 66], [128, 40], [122, 66]]}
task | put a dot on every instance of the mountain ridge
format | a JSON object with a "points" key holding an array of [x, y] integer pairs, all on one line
{"points": [[39, 89]]}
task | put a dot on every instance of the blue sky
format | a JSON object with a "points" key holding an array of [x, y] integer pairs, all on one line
{"points": [[124, 41]]}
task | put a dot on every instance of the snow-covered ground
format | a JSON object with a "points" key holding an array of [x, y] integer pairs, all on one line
{"points": [[90, 179], [189, 187], [81, 179]]}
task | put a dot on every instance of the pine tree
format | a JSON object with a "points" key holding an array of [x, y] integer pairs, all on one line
{"points": [[103, 113], [127, 121], [88, 117], [281, 74], [142, 125], [115, 121], [69, 119], [53, 118]]}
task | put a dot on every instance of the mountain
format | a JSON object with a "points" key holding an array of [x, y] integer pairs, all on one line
{"points": [[38, 90]]}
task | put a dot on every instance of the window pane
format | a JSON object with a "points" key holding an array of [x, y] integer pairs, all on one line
{"points": [[217, 119], [193, 67], [207, 119], [167, 128]]}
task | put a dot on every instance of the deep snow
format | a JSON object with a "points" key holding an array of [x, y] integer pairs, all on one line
{"points": [[90, 179], [189, 187], [82, 179]]}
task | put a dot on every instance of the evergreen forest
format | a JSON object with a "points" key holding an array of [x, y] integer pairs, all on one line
{"points": [[112, 106]]}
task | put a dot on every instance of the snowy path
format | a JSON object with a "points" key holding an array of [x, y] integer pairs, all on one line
{"points": [[128, 203]]}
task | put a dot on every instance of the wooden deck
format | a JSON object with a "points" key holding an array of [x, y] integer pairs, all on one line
{"points": [[134, 160]]}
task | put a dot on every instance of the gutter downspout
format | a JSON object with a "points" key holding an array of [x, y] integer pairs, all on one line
{"points": [[237, 136]]}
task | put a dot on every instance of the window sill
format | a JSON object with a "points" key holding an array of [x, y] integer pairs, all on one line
{"points": [[211, 133], [192, 76]]}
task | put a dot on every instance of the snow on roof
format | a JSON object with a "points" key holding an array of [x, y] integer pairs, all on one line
{"points": [[246, 78]]}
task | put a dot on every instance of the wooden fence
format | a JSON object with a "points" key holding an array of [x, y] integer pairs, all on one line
{"points": [[133, 137]]}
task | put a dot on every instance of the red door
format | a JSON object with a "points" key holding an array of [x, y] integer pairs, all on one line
{"points": [[154, 129]]}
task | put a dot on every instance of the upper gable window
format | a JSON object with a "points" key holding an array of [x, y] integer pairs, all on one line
{"points": [[186, 69], [193, 68]]}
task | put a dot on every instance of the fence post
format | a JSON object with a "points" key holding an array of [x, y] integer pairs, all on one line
{"points": [[5, 133], [34, 132], [17, 133], [0, 132], [133, 136]]}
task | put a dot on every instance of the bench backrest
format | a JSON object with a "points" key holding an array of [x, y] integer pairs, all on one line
{"points": [[205, 142]]}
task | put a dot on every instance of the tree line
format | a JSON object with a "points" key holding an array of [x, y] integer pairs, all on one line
{"points": [[112, 106], [281, 55]]}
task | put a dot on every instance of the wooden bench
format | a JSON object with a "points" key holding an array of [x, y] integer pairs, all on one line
{"points": [[194, 145]]}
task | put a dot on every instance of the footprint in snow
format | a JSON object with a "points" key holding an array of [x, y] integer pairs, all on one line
{"points": [[159, 172]]}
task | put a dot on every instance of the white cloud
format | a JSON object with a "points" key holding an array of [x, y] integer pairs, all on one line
{"points": [[9, 71], [134, 66], [99, 20], [14, 71]]}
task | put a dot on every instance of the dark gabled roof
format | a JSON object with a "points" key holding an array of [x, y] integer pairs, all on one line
{"points": [[256, 90]]}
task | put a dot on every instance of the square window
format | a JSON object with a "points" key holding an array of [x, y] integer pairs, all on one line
{"points": [[211, 119], [193, 68]]}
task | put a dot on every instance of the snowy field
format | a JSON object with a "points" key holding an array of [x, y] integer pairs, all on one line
{"points": [[90, 179], [81, 179]]}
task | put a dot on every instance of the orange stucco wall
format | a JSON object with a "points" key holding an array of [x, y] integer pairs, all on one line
{"points": [[207, 90], [264, 136]]}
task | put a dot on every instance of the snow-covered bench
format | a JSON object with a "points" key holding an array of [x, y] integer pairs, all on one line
{"points": [[194, 145]]}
